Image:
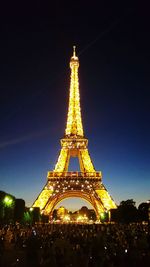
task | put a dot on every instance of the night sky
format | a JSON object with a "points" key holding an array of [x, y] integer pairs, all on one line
{"points": [[113, 45]]}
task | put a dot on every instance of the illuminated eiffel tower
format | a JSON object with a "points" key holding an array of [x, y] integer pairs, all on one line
{"points": [[86, 184]]}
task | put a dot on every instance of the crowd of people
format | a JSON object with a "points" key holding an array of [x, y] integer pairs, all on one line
{"points": [[71, 245]]}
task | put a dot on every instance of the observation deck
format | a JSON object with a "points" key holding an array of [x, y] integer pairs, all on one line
{"points": [[74, 175]]}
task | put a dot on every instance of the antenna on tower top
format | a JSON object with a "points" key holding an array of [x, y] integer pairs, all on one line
{"points": [[74, 51]]}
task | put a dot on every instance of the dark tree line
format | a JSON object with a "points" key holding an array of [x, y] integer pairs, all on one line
{"points": [[13, 210], [128, 213]]}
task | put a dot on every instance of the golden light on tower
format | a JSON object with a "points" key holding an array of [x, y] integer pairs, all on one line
{"points": [[87, 183], [74, 122]]}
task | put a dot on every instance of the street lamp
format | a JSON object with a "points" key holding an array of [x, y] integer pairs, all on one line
{"points": [[8, 201], [8, 208], [102, 216]]}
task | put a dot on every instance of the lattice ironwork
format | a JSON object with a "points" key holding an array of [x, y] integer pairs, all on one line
{"points": [[87, 183]]}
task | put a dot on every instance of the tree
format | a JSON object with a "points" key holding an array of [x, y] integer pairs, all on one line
{"points": [[19, 210], [84, 211], [2, 214], [114, 215], [127, 211], [9, 204], [143, 211], [35, 214], [11, 209]]}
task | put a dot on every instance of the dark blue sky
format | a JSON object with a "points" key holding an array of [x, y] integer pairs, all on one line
{"points": [[113, 44]]}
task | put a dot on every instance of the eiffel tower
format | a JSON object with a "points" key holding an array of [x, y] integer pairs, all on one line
{"points": [[86, 184]]}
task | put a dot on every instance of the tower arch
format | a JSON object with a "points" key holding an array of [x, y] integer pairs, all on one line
{"points": [[70, 194]]}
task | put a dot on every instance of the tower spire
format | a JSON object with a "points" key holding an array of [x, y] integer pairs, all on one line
{"points": [[74, 122]]}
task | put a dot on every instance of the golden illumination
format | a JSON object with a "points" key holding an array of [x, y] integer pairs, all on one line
{"points": [[87, 183], [74, 144], [87, 163], [43, 198], [106, 199], [62, 160], [74, 122], [66, 218]]}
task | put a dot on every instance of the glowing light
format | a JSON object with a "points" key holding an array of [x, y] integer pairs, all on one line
{"points": [[43, 198], [74, 144], [66, 218], [74, 122], [106, 199], [87, 163], [8, 201], [102, 215], [61, 163], [82, 219]]}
